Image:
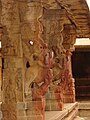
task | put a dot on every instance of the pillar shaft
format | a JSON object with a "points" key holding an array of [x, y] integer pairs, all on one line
{"points": [[68, 43], [13, 63], [36, 59]]}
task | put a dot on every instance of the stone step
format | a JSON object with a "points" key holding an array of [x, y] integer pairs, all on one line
{"points": [[84, 108], [69, 113], [82, 87], [78, 118], [86, 118], [82, 82]]}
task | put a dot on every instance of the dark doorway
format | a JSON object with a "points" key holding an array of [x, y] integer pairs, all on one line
{"points": [[81, 73]]}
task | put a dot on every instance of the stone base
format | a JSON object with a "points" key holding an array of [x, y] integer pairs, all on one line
{"points": [[32, 110], [69, 113], [54, 101], [69, 99], [54, 105]]}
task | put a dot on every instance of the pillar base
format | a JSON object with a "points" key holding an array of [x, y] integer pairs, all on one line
{"points": [[53, 105], [54, 101], [32, 110], [68, 98]]}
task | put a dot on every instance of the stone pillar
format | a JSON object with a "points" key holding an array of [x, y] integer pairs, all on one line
{"points": [[53, 25], [37, 60], [13, 59], [69, 89], [69, 34]]}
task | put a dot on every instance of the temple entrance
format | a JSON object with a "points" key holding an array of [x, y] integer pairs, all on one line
{"points": [[81, 66], [81, 72]]}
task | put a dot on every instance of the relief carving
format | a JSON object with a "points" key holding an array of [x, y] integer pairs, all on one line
{"points": [[38, 71], [69, 35], [9, 47], [55, 37], [19, 79], [55, 41]]}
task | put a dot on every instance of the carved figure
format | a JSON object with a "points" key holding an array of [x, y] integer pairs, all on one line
{"points": [[38, 74], [56, 37]]}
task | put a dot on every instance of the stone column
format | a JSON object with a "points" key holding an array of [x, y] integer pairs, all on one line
{"points": [[13, 62], [37, 60], [69, 89], [53, 24], [68, 43]]}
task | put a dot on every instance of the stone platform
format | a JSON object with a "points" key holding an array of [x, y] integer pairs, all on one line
{"points": [[69, 113]]}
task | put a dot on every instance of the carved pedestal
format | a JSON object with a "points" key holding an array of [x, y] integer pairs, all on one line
{"points": [[69, 92], [32, 110], [54, 98]]}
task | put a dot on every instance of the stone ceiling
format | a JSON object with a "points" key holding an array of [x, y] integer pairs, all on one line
{"points": [[77, 12], [80, 12]]}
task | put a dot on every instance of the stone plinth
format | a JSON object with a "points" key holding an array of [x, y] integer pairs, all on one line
{"points": [[30, 110], [69, 94], [54, 101]]}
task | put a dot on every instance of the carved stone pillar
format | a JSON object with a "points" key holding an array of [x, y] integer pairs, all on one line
{"points": [[12, 59], [37, 60], [53, 24], [68, 43], [69, 90]]}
